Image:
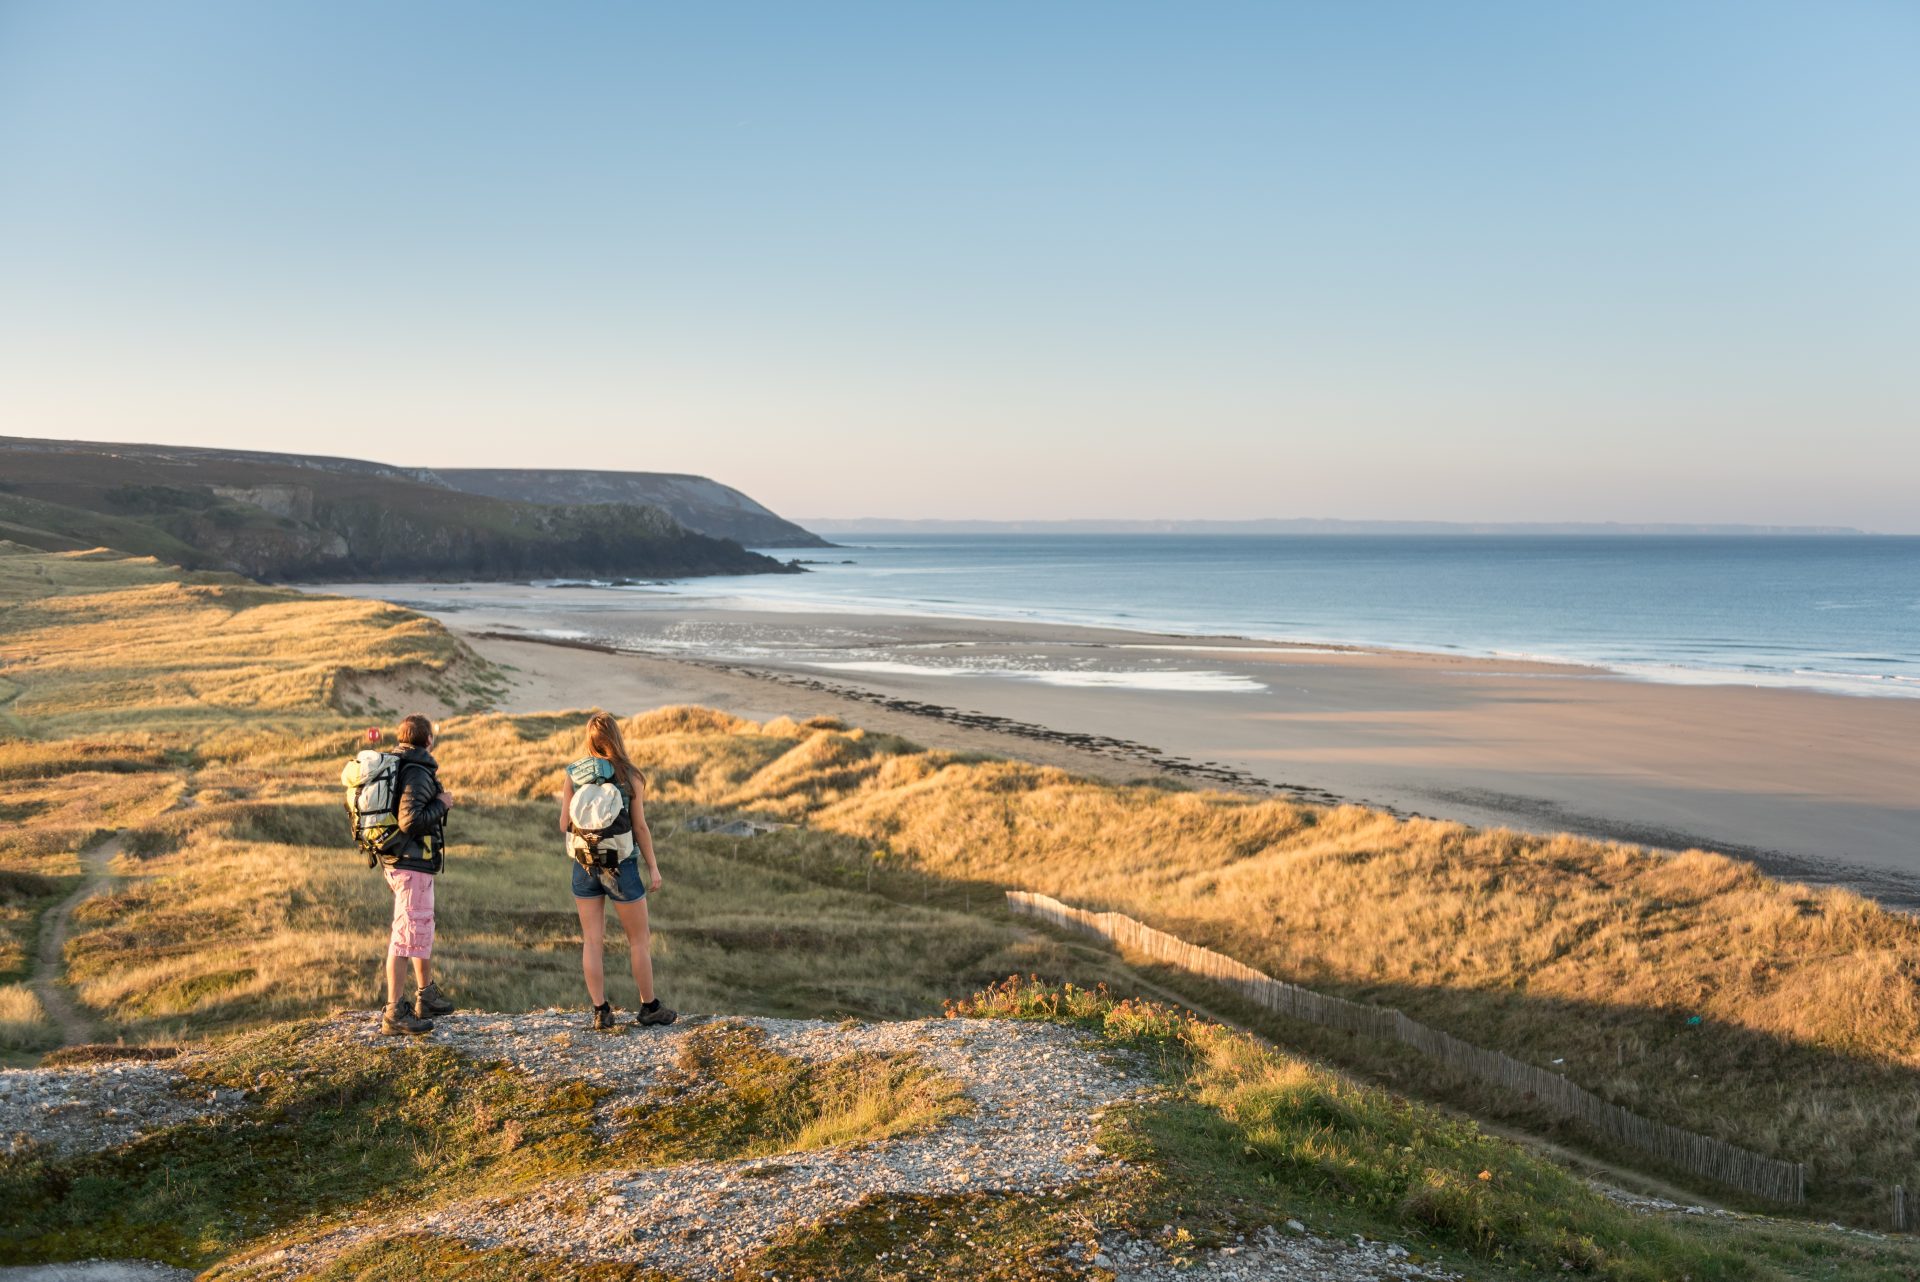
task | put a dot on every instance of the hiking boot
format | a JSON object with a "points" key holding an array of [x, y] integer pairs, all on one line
{"points": [[429, 1002], [654, 1013], [603, 1017], [399, 1019]]}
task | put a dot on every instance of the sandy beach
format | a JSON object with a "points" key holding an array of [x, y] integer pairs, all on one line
{"points": [[1813, 786]]}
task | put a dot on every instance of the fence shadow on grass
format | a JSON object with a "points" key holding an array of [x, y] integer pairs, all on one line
{"points": [[1782, 1179]]}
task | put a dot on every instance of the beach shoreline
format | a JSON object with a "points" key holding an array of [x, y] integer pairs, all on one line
{"points": [[1810, 785]]}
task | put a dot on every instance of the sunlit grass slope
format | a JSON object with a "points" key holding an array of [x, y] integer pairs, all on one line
{"points": [[98, 644], [1691, 987], [200, 714], [120, 676]]}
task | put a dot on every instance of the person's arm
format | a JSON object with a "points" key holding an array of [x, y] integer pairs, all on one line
{"points": [[421, 809], [642, 835], [566, 803]]}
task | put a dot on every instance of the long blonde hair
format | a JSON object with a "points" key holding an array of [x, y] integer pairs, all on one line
{"points": [[604, 740]]}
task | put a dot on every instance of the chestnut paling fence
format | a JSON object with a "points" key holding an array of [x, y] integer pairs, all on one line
{"points": [[1701, 1155]]}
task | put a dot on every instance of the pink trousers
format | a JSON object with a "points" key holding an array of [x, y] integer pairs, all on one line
{"points": [[412, 912]]}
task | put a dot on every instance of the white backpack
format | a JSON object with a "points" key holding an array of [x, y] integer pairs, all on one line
{"points": [[372, 783], [599, 825]]}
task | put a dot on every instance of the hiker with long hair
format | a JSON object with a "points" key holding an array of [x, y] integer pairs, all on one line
{"points": [[603, 814]]}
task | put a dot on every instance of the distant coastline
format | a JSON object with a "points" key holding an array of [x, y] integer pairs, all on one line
{"points": [[1312, 525]]}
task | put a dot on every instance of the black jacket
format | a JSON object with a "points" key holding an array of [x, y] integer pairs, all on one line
{"points": [[421, 814]]}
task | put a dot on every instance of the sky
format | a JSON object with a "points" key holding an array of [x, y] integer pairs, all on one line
{"points": [[1490, 261]]}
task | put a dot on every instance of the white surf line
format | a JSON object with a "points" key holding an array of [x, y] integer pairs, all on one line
{"points": [[1187, 681]]}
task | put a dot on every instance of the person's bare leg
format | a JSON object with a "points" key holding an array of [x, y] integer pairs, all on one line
{"points": [[633, 920], [422, 972], [396, 972], [593, 945]]}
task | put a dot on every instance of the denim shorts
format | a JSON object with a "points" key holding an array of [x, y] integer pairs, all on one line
{"points": [[621, 885]]}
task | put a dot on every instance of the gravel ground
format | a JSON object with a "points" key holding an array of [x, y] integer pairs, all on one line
{"points": [[1647, 1204], [97, 1271], [1036, 1089], [1269, 1255], [97, 1106]]}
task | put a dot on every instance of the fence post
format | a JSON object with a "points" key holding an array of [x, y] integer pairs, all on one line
{"points": [[1899, 1208]]}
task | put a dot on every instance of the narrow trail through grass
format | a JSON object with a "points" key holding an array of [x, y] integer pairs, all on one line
{"points": [[49, 965]]}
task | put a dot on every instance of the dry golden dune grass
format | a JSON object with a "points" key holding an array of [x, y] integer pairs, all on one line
{"points": [[238, 899], [101, 649], [23, 1024], [1589, 957]]}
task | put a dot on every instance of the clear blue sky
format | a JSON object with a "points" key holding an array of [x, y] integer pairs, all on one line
{"points": [[1497, 260]]}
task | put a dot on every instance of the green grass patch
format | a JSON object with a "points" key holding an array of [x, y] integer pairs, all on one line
{"points": [[25, 898], [982, 1238], [731, 1095], [332, 1127], [1246, 1135], [422, 1255], [336, 1130]]}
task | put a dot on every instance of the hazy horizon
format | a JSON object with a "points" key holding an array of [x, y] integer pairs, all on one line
{"points": [[1484, 263], [882, 525]]}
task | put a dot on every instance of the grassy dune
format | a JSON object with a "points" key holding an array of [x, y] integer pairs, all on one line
{"points": [[100, 644], [1590, 957], [202, 716]]}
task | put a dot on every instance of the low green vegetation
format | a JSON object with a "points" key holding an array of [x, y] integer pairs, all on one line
{"points": [[330, 1127], [334, 1127], [1237, 1138], [1247, 1136], [731, 1095], [421, 1255]]}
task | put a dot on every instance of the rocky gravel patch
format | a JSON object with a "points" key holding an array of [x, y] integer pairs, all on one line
{"points": [[1036, 1092], [97, 1271], [1269, 1255], [97, 1106]]}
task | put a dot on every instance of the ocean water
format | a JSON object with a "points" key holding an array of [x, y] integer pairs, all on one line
{"points": [[1835, 613]]}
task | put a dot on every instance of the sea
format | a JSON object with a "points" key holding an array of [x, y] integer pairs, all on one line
{"points": [[1831, 612]]}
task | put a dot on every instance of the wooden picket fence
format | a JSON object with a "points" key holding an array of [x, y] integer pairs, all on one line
{"points": [[1700, 1155]]}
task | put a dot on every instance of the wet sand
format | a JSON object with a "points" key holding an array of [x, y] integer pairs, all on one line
{"points": [[1814, 786]]}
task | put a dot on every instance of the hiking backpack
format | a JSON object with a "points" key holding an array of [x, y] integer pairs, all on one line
{"points": [[372, 781], [599, 819]]}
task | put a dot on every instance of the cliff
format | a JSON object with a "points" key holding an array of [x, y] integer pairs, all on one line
{"points": [[279, 516]]}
